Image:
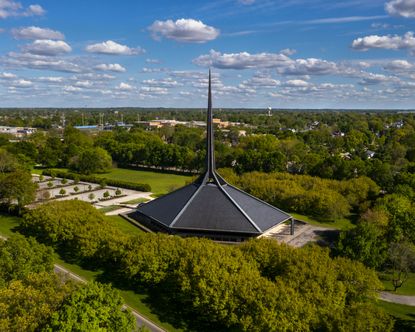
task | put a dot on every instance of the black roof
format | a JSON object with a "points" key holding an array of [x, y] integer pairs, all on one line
{"points": [[210, 204]]}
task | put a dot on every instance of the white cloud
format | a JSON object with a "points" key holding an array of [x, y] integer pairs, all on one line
{"points": [[32, 61], [297, 83], [165, 83], [48, 47], [124, 86], [404, 8], [153, 61], [395, 42], [288, 51], [10, 8], [153, 70], [371, 79], [22, 83], [7, 76], [51, 79], [37, 33], [151, 90], [183, 30], [243, 60], [398, 65], [35, 10], [112, 48], [309, 66], [115, 67]]}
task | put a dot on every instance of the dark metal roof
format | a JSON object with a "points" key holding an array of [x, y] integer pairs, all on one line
{"points": [[212, 205]]}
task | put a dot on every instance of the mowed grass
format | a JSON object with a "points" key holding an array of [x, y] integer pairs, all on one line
{"points": [[124, 225], [7, 224], [404, 315], [408, 288], [161, 183], [340, 224]]}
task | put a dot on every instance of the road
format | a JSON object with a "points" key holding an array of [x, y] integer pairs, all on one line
{"points": [[395, 298], [140, 319]]}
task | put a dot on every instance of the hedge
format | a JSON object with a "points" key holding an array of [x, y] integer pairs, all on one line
{"points": [[95, 179]]}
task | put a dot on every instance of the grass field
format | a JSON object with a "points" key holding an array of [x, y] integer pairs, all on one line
{"points": [[136, 201], [404, 315], [124, 225], [408, 287], [340, 224], [161, 183], [7, 224]]}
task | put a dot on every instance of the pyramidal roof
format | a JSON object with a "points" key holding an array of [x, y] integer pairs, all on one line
{"points": [[211, 205]]}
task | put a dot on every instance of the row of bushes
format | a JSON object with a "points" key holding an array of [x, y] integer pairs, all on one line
{"points": [[258, 286], [95, 179]]}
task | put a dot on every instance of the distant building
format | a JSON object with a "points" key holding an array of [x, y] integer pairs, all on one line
{"points": [[17, 132]]}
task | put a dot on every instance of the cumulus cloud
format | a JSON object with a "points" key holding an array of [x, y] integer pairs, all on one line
{"points": [[47, 47], [165, 83], [395, 42], [404, 8], [7, 76], [33, 61], [10, 8], [297, 83], [183, 30], [115, 67], [34, 32], [309, 66], [21, 83], [398, 65], [124, 86], [112, 48], [371, 79], [151, 90], [242, 60]]}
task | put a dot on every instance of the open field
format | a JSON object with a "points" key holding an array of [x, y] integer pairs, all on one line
{"points": [[7, 224], [403, 314], [408, 287], [340, 224]]}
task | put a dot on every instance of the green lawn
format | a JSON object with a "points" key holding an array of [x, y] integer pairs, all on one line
{"points": [[404, 315], [136, 201], [7, 223], [110, 208], [161, 183], [340, 224], [124, 225], [408, 287]]}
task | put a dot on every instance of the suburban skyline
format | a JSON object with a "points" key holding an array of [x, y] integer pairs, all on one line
{"points": [[293, 54]]}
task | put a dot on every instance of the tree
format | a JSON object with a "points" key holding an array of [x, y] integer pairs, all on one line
{"points": [[118, 192], [401, 260], [91, 160], [17, 187], [94, 307], [19, 256], [27, 304], [91, 196], [50, 184], [45, 195], [106, 194], [64, 181], [62, 192], [76, 189]]}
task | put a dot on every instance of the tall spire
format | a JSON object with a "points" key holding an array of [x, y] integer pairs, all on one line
{"points": [[210, 147]]}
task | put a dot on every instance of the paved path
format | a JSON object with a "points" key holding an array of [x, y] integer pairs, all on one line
{"points": [[395, 298]]}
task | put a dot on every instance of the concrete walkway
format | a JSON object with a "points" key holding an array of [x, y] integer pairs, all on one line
{"points": [[395, 298]]}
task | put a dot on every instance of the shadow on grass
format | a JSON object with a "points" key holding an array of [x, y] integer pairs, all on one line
{"points": [[405, 325]]}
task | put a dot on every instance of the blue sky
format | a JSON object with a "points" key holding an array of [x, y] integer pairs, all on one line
{"points": [[288, 53]]}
